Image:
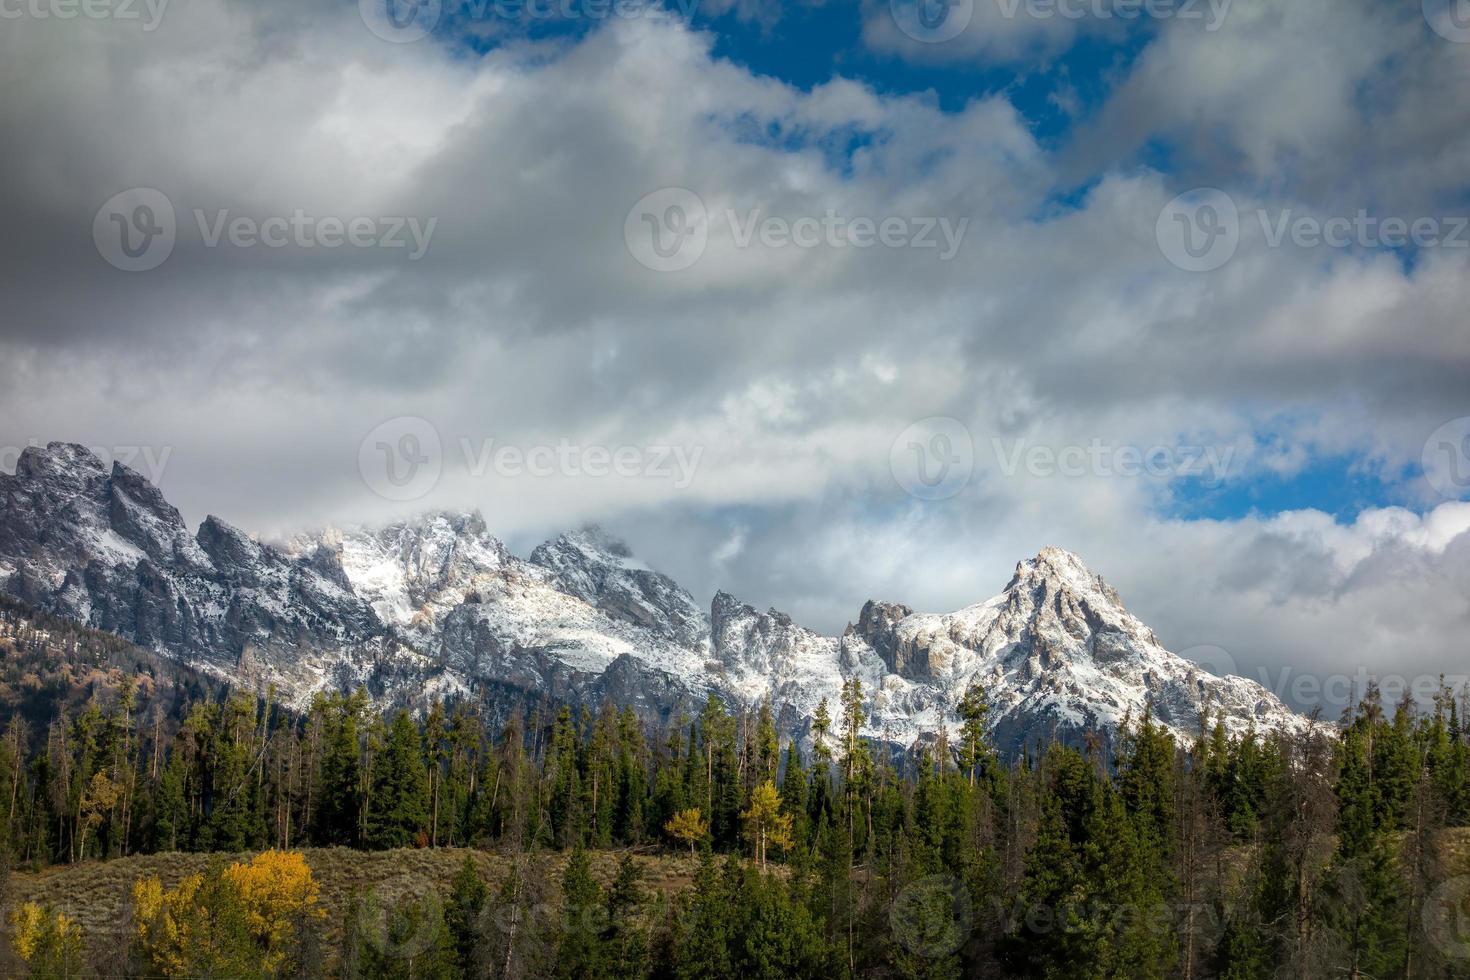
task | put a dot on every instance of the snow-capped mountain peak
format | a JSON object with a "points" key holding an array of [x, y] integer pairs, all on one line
{"points": [[601, 570], [437, 604], [1059, 568]]}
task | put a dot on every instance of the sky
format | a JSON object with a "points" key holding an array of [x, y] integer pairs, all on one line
{"points": [[812, 302]]}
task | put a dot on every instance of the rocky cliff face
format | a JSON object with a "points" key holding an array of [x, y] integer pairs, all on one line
{"points": [[104, 548], [438, 605]]}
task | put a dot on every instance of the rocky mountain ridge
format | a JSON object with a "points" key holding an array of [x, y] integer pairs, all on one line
{"points": [[438, 605]]}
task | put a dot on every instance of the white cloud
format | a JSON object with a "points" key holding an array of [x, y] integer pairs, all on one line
{"points": [[790, 370]]}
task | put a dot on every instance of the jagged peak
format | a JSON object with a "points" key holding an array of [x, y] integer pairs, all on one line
{"points": [[594, 538], [590, 548], [1060, 568], [140, 488], [877, 616], [459, 523], [217, 528], [726, 605], [58, 458]]}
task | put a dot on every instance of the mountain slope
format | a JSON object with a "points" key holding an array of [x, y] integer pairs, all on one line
{"points": [[103, 547], [438, 605]]}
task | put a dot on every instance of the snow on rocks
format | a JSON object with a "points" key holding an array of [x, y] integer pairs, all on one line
{"points": [[438, 605]]}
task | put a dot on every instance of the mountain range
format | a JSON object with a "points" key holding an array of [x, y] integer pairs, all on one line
{"points": [[437, 606]]}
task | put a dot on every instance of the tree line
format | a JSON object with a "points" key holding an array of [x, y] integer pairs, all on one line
{"points": [[1329, 853]]}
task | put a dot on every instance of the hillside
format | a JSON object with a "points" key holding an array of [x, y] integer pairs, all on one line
{"points": [[96, 893], [51, 666]]}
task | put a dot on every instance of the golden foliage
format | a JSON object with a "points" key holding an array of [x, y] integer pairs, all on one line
{"points": [[264, 898], [687, 826], [276, 888], [165, 923], [765, 824], [40, 935], [26, 923]]}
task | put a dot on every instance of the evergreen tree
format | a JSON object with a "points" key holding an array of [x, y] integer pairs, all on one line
{"points": [[340, 785], [705, 929], [398, 815], [794, 798], [974, 712], [580, 953], [1366, 896], [468, 898], [625, 945], [1090, 900]]}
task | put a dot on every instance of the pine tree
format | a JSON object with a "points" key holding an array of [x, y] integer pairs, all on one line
{"points": [[1366, 909], [468, 898], [340, 784], [580, 952], [399, 815], [767, 746], [1089, 898], [625, 944], [974, 712], [705, 930], [794, 798]]}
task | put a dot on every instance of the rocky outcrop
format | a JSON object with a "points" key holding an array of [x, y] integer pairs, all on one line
{"points": [[438, 605]]}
